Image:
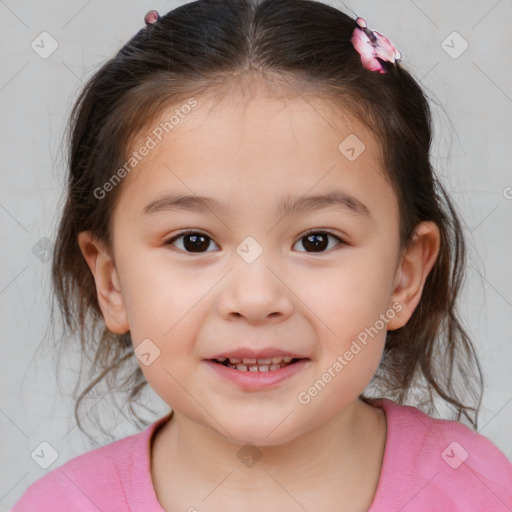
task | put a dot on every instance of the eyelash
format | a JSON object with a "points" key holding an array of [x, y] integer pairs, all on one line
{"points": [[169, 242]]}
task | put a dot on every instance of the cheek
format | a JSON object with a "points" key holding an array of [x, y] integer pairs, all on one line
{"points": [[157, 293], [352, 309], [351, 296], [166, 305]]}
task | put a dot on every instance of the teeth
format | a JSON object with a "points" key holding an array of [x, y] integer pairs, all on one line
{"points": [[254, 365], [265, 361]]}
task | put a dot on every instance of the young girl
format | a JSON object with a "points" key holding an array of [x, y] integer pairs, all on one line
{"points": [[251, 208]]}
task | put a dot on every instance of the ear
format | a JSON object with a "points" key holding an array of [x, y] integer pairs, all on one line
{"points": [[110, 296], [414, 268]]}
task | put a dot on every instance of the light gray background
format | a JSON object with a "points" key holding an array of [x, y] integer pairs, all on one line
{"points": [[473, 150]]}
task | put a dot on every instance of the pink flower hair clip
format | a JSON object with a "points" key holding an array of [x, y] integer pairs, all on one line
{"points": [[373, 47], [151, 17]]}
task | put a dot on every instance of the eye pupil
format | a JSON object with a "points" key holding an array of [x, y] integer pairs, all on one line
{"points": [[198, 242], [319, 242]]}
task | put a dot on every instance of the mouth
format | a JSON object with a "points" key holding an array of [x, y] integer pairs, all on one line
{"points": [[267, 364]]}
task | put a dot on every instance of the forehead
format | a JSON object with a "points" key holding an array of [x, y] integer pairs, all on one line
{"points": [[255, 150]]}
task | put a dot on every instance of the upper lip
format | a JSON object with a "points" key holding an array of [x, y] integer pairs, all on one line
{"points": [[249, 353]]}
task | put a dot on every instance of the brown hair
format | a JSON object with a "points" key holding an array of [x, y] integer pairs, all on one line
{"points": [[302, 45]]}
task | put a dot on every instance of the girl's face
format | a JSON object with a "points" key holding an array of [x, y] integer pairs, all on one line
{"points": [[293, 251]]}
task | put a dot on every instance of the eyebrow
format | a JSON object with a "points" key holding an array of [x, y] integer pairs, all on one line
{"points": [[288, 205]]}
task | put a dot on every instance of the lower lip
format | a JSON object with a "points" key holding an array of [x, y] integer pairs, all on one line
{"points": [[257, 380]]}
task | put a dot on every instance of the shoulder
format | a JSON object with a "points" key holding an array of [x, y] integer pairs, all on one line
{"points": [[99, 479], [447, 459], [81, 481]]}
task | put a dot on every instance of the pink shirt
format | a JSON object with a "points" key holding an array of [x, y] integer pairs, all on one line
{"points": [[429, 465]]}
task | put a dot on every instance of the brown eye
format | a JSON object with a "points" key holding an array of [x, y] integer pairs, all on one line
{"points": [[193, 241], [317, 241]]}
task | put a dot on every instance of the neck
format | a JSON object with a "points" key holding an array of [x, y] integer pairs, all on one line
{"points": [[334, 458]]}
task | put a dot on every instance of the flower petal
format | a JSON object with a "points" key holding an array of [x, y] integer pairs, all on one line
{"points": [[365, 48]]}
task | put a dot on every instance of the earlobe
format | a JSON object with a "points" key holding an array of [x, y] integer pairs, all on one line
{"points": [[415, 266], [106, 278]]}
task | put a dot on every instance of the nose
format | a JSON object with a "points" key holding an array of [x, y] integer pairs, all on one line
{"points": [[256, 292]]}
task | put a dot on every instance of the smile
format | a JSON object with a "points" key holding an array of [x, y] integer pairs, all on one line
{"points": [[255, 374], [269, 364]]}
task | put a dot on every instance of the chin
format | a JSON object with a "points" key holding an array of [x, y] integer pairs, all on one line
{"points": [[260, 431]]}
